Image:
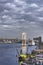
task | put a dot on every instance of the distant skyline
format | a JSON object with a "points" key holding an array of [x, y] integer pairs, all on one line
{"points": [[17, 16]]}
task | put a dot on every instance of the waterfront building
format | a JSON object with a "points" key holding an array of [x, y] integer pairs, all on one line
{"points": [[24, 49], [41, 45], [37, 41]]}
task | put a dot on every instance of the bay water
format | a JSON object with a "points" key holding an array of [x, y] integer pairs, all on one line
{"points": [[8, 53]]}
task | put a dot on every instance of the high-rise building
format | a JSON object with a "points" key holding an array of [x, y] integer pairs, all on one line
{"points": [[37, 41], [24, 49]]}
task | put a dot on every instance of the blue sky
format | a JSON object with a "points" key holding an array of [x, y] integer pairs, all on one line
{"points": [[17, 16]]}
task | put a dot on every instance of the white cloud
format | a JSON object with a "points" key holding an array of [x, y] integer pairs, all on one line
{"points": [[10, 5], [6, 11], [29, 13], [22, 20], [5, 26], [34, 5], [40, 9], [16, 0], [6, 17], [9, 27], [20, 2], [40, 18], [32, 23], [22, 12]]}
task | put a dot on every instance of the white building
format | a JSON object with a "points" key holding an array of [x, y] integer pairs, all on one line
{"points": [[24, 48]]}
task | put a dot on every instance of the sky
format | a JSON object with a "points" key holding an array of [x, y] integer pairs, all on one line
{"points": [[17, 16]]}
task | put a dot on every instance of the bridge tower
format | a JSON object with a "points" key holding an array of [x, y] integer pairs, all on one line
{"points": [[24, 49]]}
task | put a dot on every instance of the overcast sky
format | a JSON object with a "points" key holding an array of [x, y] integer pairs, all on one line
{"points": [[17, 16]]}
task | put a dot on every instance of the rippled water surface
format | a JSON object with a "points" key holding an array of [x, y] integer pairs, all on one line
{"points": [[8, 53]]}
